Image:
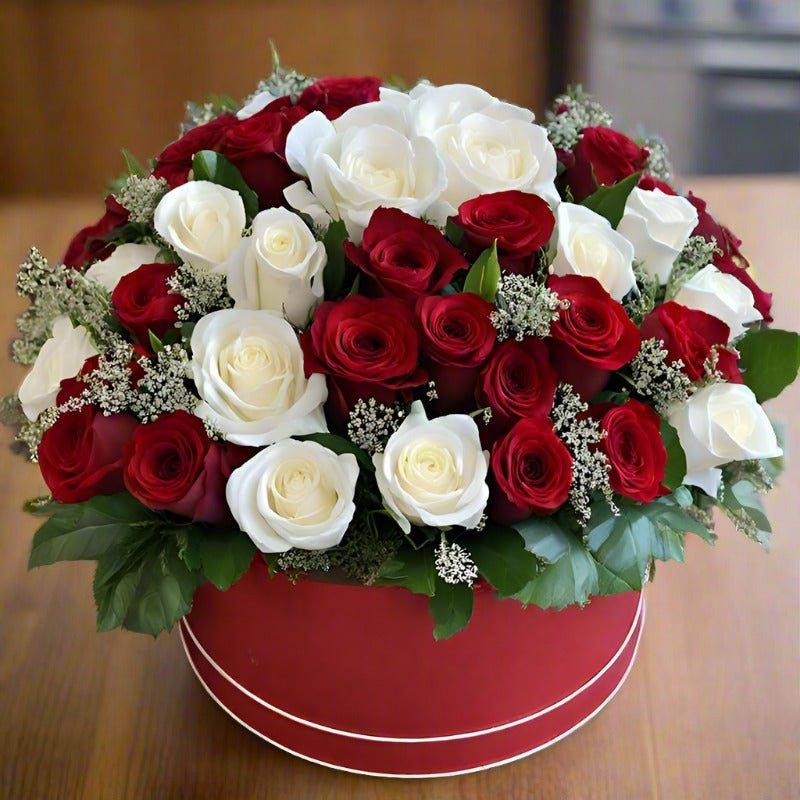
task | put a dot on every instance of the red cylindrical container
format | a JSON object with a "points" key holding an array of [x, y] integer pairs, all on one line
{"points": [[351, 677]]}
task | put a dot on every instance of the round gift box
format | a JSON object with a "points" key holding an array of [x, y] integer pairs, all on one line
{"points": [[350, 676]]}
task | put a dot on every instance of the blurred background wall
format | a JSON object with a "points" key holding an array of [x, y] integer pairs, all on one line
{"points": [[87, 77]]}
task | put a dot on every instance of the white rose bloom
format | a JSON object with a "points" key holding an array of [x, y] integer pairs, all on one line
{"points": [[294, 494], [125, 259], [365, 159], [586, 244], [721, 423], [721, 295], [433, 472], [279, 267], [202, 221], [248, 368], [61, 356], [658, 225], [258, 102]]}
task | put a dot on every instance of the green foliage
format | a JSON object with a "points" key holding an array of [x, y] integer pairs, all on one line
{"points": [[223, 555], [676, 458], [609, 201], [454, 233], [741, 502], [411, 568], [334, 275], [501, 558], [770, 359], [451, 608], [210, 166], [484, 275]]}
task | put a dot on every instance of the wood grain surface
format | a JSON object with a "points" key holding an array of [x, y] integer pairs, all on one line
{"points": [[711, 709]]}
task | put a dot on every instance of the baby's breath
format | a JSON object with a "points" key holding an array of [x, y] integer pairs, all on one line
{"points": [[640, 302], [696, 254], [524, 306], [454, 564], [658, 163], [372, 423], [140, 196], [296, 560], [571, 113], [658, 378], [202, 290], [163, 389]]}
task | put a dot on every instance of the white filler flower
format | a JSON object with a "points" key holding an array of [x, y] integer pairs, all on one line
{"points": [[248, 368], [294, 494], [433, 472], [125, 259]]}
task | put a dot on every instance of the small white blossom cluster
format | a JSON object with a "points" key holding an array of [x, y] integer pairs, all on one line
{"points": [[640, 302], [571, 113], [296, 560], [454, 564], [524, 307], [197, 114], [696, 254], [372, 423], [140, 196], [202, 290], [163, 389], [282, 81], [581, 435], [658, 378], [432, 393], [658, 163]]}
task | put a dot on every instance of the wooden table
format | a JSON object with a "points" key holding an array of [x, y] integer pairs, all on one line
{"points": [[711, 709]]}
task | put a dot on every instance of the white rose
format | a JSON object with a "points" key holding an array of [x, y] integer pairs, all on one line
{"points": [[721, 423], [433, 472], [202, 221], [586, 244], [658, 225], [258, 102], [125, 259], [294, 494], [61, 356], [248, 368], [365, 159], [279, 267], [721, 295]]}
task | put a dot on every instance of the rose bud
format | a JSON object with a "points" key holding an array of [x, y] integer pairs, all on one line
{"points": [[520, 222], [602, 157], [172, 465], [143, 301], [592, 337], [90, 243], [634, 449], [532, 471], [404, 257], [457, 337], [517, 381], [333, 96], [367, 348]]}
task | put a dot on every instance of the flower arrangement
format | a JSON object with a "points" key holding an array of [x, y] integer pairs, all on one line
{"points": [[408, 338]]}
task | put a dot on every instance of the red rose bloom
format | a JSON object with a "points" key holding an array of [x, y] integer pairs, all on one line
{"points": [[257, 147], [532, 471], [172, 465], [80, 456], [521, 223], [457, 337], [517, 381], [592, 337], [333, 96], [143, 301], [367, 348], [602, 157], [403, 256], [175, 160], [89, 243], [648, 183], [634, 449], [689, 335]]}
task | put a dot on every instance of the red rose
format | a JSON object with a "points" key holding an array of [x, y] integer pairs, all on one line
{"points": [[172, 465], [257, 147], [143, 301], [602, 156], [89, 243], [403, 256], [367, 348], [532, 471], [517, 381], [648, 183], [689, 335], [592, 337], [333, 96], [175, 160], [80, 456], [634, 449], [521, 223], [457, 337]]}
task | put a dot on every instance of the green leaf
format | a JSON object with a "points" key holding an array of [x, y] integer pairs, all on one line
{"points": [[210, 166], [484, 275], [676, 458], [454, 233], [132, 164], [544, 537], [609, 201], [155, 343], [222, 555], [114, 599], [411, 568], [339, 445], [335, 273], [501, 558], [770, 359], [742, 502], [681, 521], [451, 608]]}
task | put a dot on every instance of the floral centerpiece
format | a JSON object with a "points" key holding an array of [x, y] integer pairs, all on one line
{"points": [[388, 337]]}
